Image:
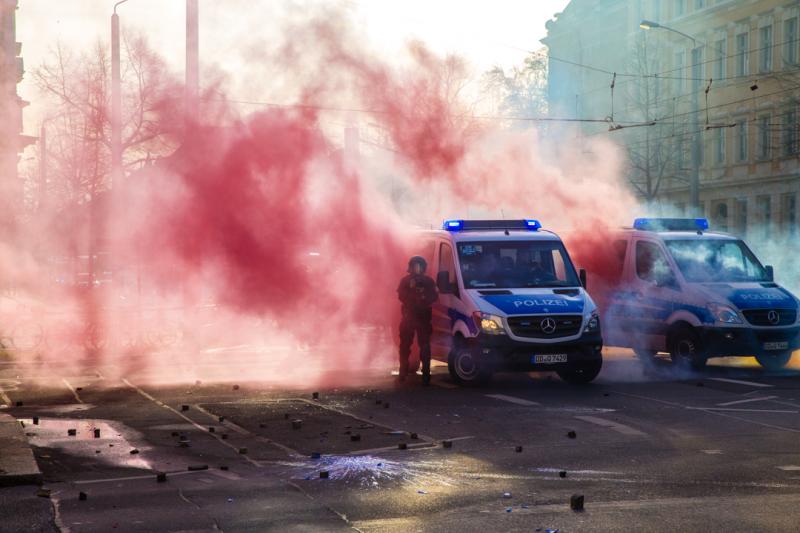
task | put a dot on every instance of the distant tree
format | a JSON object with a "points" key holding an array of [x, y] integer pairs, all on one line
{"points": [[79, 127], [655, 152], [521, 92]]}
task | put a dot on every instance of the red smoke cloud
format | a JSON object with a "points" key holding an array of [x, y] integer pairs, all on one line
{"points": [[294, 241]]}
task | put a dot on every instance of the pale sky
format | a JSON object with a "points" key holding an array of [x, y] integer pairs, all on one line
{"points": [[486, 32]]}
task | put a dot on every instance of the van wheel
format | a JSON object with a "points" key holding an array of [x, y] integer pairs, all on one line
{"points": [[686, 350], [774, 361], [464, 367], [583, 374]]}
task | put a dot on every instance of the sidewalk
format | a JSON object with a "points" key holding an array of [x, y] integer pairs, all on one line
{"points": [[17, 463]]}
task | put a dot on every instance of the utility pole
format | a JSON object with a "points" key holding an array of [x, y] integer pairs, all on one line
{"points": [[116, 100], [192, 59]]}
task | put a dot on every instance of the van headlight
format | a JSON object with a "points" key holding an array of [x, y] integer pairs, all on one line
{"points": [[593, 324], [489, 324], [724, 313]]}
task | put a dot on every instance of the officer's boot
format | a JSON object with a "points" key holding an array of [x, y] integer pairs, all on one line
{"points": [[426, 372], [401, 375]]}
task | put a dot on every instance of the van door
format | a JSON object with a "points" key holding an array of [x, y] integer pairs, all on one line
{"points": [[653, 291], [447, 303], [613, 297]]}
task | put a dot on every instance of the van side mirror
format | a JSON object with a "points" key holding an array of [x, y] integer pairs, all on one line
{"points": [[443, 282], [582, 277], [770, 272]]}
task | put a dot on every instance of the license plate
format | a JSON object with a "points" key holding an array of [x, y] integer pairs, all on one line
{"points": [[781, 345], [549, 358]]}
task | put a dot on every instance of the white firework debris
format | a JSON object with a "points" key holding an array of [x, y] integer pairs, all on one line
{"points": [[369, 471]]}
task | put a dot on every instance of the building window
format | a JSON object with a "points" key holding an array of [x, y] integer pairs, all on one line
{"points": [[790, 41], [680, 7], [699, 4], [680, 65], [721, 216], [764, 210], [763, 137], [789, 213], [741, 217], [765, 54], [719, 146], [697, 66], [790, 133], [741, 141], [742, 55], [720, 50]]}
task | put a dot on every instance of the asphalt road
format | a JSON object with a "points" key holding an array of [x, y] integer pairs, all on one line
{"points": [[653, 450]]}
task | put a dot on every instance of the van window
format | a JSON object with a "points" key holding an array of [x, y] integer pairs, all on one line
{"points": [[715, 260], [512, 264], [446, 263], [651, 264]]}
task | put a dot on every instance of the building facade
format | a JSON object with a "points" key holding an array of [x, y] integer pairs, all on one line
{"points": [[706, 88], [12, 141]]}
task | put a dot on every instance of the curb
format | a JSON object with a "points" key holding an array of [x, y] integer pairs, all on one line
{"points": [[17, 463]]}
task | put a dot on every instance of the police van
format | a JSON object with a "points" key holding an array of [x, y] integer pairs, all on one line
{"points": [[696, 294], [510, 299]]}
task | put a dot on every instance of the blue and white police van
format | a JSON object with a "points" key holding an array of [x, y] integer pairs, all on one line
{"points": [[510, 299], [696, 294]]}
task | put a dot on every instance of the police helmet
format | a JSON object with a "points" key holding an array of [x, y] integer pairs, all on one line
{"points": [[417, 259]]}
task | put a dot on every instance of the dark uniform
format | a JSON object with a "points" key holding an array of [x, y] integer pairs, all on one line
{"points": [[417, 292]]}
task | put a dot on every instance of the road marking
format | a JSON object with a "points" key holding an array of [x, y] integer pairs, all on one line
{"points": [[5, 398], [706, 410], [742, 382], [734, 409], [242, 431], [192, 422], [713, 452], [512, 399], [56, 501], [72, 389], [610, 424], [789, 468], [148, 476], [737, 402]]}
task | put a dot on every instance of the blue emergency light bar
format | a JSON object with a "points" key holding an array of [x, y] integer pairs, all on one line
{"points": [[489, 225], [671, 224]]}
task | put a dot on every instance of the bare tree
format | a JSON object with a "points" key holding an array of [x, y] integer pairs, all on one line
{"points": [[520, 92], [655, 152], [79, 129]]}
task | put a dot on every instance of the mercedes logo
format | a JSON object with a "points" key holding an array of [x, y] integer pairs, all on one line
{"points": [[772, 316], [548, 325]]}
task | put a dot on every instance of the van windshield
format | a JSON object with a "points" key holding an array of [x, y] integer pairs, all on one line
{"points": [[715, 260], [515, 264]]}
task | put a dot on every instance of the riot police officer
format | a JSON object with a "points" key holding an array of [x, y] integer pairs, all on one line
{"points": [[417, 292]]}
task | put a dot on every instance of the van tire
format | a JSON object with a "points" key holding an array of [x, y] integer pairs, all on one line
{"points": [[582, 374], [774, 362], [464, 368], [686, 349]]}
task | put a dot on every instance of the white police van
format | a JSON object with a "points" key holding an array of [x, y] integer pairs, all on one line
{"points": [[509, 299], [696, 294]]}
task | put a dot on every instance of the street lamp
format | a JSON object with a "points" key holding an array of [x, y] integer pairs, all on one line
{"points": [[694, 182]]}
